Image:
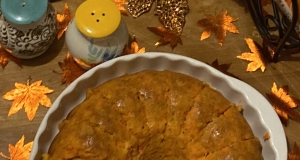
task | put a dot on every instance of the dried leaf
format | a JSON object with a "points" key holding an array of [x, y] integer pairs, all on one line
{"points": [[120, 4], [71, 70], [134, 48], [265, 2], [19, 151], [218, 25], [29, 97], [5, 55], [168, 36], [267, 137], [289, 3], [283, 103], [295, 153], [223, 68], [255, 56], [63, 21]]}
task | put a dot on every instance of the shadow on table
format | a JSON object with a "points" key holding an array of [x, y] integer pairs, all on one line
{"points": [[290, 55], [240, 3]]}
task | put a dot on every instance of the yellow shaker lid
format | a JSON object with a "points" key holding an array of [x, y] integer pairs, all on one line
{"points": [[97, 18]]}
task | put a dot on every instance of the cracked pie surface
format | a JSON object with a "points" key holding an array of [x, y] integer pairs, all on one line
{"points": [[155, 115]]}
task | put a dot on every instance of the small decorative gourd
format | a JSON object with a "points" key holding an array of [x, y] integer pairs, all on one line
{"points": [[96, 33], [27, 27]]}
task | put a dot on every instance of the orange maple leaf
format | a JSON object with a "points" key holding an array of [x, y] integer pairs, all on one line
{"points": [[295, 153], [255, 56], [168, 36], [218, 25], [63, 21], [71, 70], [283, 103], [5, 55], [223, 68], [134, 48], [19, 151], [120, 4], [29, 97]]}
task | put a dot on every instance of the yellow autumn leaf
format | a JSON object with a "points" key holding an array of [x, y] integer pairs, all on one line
{"points": [[255, 57], [283, 103], [63, 21], [134, 48], [19, 151], [5, 56], [218, 25], [29, 97]]}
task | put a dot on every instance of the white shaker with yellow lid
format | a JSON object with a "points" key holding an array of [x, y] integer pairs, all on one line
{"points": [[96, 33]]}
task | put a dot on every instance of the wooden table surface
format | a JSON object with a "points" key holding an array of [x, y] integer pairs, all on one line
{"points": [[285, 72]]}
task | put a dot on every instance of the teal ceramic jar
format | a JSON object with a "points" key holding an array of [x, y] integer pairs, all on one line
{"points": [[27, 27]]}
